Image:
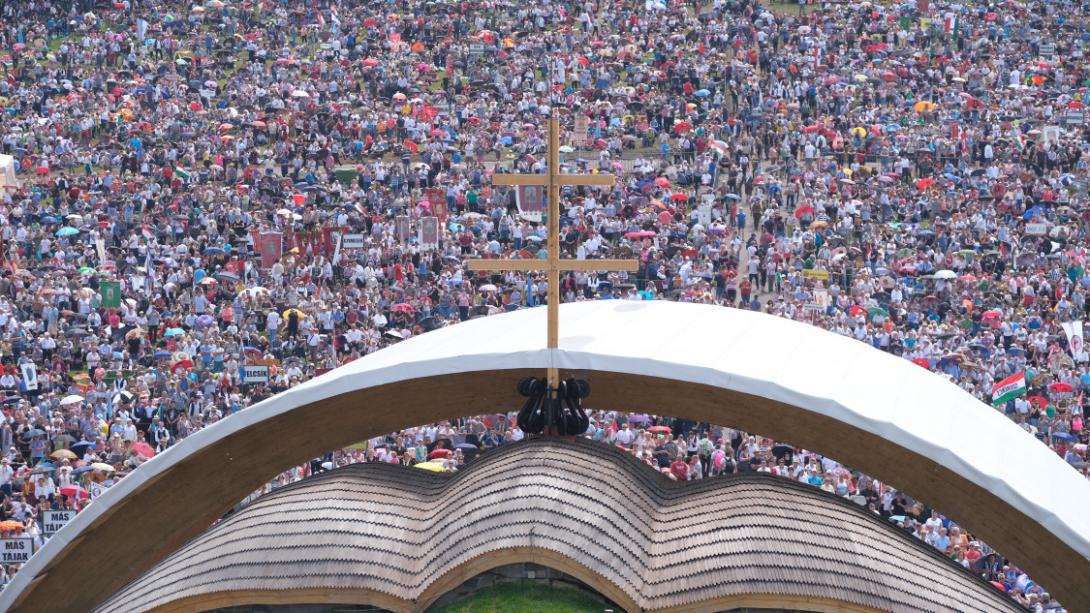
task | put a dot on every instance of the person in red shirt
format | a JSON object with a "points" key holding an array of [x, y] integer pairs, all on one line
{"points": [[680, 469]]}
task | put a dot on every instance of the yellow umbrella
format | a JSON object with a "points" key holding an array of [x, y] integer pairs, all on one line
{"points": [[432, 466], [297, 312], [859, 131], [924, 106], [63, 454], [106, 468]]}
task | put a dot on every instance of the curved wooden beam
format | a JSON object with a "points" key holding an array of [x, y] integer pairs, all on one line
{"points": [[183, 500]]}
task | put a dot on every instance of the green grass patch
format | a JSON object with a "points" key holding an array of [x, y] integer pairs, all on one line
{"points": [[790, 8], [525, 597]]}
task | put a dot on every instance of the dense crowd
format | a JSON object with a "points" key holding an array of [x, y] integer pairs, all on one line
{"points": [[189, 188]]}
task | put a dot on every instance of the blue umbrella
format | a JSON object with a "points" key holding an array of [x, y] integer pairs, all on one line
{"points": [[213, 251], [161, 354], [174, 332], [1037, 210], [81, 469], [67, 231], [1063, 436], [701, 93]]}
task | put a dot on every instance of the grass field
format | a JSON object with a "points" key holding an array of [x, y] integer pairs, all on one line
{"points": [[525, 597], [790, 8]]}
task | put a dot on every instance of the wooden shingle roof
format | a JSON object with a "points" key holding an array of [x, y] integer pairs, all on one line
{"points": [[400, 534]]}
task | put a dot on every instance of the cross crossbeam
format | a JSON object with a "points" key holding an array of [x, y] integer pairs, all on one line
{"points": [[552, 265]]}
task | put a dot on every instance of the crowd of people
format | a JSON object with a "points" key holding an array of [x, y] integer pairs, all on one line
{"points": [[187, 188]]}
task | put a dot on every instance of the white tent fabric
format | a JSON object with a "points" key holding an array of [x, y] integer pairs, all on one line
{"points": [[7, 172], [749, 352]]}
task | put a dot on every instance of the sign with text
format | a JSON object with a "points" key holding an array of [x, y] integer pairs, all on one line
{"points": [[16, 550], [255, 374], [811, 273], [352, 241], [429, 232], [1036, 229], [53, 521]]}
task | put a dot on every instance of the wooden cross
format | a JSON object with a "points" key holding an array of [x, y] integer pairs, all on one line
{"points": [[553, 265]]}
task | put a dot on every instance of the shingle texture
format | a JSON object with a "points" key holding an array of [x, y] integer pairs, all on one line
{"points": [[666, 544]]}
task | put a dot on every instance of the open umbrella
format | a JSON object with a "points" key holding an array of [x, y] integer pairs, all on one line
{"points": [[660, 429], [1060, 387], [403, 307], [143, 449], [103, 467], [71, 399], [73, 491], [63, 454], [434, 467]]}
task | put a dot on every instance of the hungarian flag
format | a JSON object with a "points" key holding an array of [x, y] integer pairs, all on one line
{"points": [[1009, 389], [181, 173]]}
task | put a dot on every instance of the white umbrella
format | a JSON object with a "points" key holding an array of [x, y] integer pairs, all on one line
{"points": [[73, 399], [946, 274], [488, 287], [300, 93]]}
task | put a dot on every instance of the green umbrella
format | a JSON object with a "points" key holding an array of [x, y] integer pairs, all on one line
{"points": [[874, 311], [86, 270]]}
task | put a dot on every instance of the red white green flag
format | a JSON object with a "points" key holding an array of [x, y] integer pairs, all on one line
{"points": [[1009, 389]]}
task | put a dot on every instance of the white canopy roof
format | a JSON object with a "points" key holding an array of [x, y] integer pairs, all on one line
{"points": [[749, 352]]}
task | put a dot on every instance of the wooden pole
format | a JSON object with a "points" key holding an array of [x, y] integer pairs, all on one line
{"points": [[554, 244]]}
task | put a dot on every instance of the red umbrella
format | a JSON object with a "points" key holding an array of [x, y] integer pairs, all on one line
{"points": [[74, 490], [660, 429], [992, 314], [439, 453], [682, 127], [1038, 401], [803, 211], [679, 197], [923, 184], [195, 106], [662, 182], [856, 311], [143, 449], [999, 586], [582, 60], [370, 62], [665, 217], [181, 364], [639, 234], [403, 307], [922, 362], [1060, 387], [410, 145]]}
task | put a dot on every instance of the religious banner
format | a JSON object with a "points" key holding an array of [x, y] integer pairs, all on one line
{"points": [[1075, 343], [402, 228], [270, 246], [111, 294], [530, 200], [30, 376], [429, 232], [581, 133], [437, 199]]}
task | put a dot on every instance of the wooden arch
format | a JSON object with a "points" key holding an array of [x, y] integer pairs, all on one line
{"points": [[786, 380]]}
